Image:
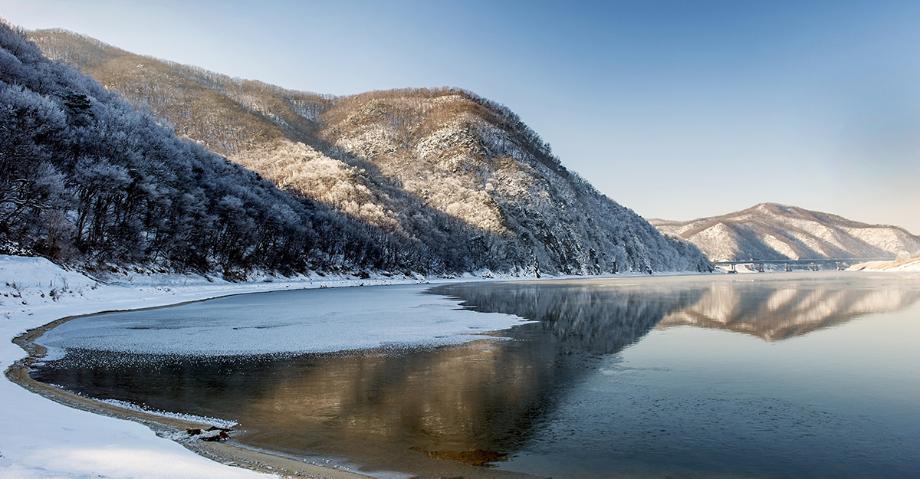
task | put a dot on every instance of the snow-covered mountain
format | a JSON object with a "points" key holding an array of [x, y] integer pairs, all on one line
{"points": [[448, 180], [773, 231], [898, 265]]}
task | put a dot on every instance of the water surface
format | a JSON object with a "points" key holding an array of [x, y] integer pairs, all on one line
{"points": [[773, 375]]}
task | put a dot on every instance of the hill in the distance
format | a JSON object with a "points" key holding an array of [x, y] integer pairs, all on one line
{"points": [[451, 181], [771, 231]]}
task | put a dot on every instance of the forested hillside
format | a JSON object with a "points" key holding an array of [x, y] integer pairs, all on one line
{"points": [[432, 181], [85, 177]]}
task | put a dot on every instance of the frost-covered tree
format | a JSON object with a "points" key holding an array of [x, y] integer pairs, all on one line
{"points": [[85, 177]]}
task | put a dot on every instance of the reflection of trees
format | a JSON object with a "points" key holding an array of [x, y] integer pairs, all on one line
{"points": [[471, 403], [599, 318], [780, 310]]}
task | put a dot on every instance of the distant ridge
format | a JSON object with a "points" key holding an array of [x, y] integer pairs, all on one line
{"points": [[771, 231]]}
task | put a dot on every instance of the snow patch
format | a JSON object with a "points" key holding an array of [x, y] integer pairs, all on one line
{"points": [[210, 421]]}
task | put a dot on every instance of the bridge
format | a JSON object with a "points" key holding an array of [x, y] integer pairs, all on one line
{"points": [[790, 264]]}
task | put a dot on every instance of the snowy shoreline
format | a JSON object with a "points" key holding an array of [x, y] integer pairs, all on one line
{"points": [[46, 439]]}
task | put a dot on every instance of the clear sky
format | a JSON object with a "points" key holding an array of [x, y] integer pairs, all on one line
{"points": [[675, 109]]}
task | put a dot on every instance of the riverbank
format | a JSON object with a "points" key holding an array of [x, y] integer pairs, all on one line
{"points": [[44, 439]]}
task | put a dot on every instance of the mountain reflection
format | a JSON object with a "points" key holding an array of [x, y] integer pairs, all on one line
{"points": [[598, 317], [780, 310], [604, 316]]}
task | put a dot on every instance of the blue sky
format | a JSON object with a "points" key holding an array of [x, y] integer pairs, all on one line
{"points": [[675, 109]]}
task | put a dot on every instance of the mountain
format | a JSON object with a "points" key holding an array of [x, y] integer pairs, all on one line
{"points": [[87, 179], [452, 181], [772, 231]]}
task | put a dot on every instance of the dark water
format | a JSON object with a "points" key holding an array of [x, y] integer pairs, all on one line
{"points": [[790, 376]]}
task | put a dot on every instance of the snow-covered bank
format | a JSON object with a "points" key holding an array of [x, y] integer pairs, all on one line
{"points": [[42, 438], [283, 322], [900, 265]]}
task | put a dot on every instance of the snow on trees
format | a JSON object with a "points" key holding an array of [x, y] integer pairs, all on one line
{"points": [[433, 181]]}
